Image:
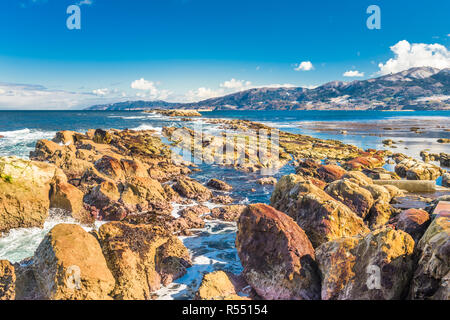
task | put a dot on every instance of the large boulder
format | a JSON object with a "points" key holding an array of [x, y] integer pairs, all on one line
{"points": [[278, 258], [7, 281], [69, 265], [24, 192], [357, 198], [375, 267], [431, 278], [316, 212], [141, 258]]}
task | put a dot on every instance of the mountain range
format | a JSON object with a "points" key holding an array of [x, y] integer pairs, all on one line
{"points": [[421, 88]]}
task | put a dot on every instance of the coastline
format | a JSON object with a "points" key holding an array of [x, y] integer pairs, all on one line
{"points": [[186, 287]]}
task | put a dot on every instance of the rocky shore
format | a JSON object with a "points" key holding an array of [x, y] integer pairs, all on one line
{"points": [[331, 230]]}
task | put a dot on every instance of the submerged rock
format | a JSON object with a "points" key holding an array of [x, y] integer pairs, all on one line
{"points": [[278, 258], [69, 265], [377, 266]]}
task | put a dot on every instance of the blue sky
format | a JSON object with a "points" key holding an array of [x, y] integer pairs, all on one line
{"points": [[186, 50]]}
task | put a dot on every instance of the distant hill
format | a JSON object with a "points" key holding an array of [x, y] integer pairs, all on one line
{"points": [[423, 88]]}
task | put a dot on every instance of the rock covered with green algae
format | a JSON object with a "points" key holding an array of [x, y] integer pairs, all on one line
{"points": [[24, 194]]}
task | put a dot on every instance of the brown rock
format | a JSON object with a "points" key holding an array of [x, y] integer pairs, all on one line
{"points": [[172, 260], [193, 221], [267, 181], [431, 277], [277, 257], [198, 210], [24, 192], [228, 213], [359, 163], [412, 169], [110, 167], [352, 195], [414, 222], [358, 177], [379, 214], [67, 197], [7, 281], [375, 267], [219, 185], [330, 172], [69, 265], [138, 260], [322, 217], [191, 189], [218, 285], [222, 199]]}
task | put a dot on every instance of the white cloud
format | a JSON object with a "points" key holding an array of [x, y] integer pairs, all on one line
{"points": [[203, 94], [38, 97], [353, 73], [29, 97], [149, 90], [87, 2], [234, 84], [101, 92], [408, 55], [304, 66]]}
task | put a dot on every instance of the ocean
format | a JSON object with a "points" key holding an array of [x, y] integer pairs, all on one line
{"points": [[213, 248]]}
